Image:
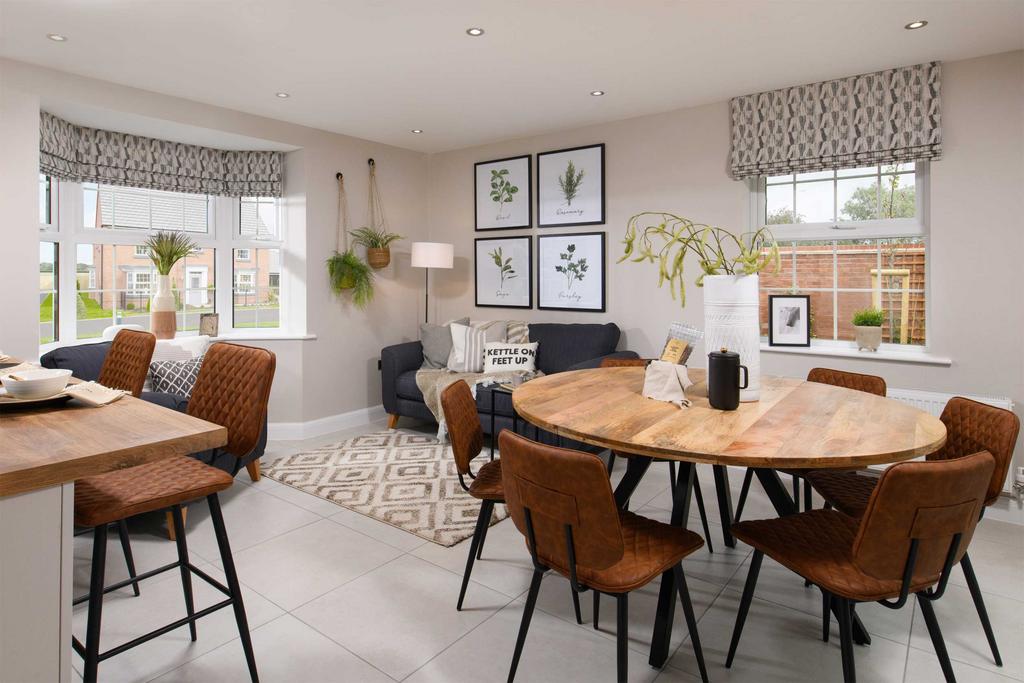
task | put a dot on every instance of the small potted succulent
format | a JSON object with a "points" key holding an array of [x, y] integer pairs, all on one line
{"points": [[378, 245], [165, 250], [868, 324]]}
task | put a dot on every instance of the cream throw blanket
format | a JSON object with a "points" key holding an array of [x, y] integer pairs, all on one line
{"points": [[432, 382]]}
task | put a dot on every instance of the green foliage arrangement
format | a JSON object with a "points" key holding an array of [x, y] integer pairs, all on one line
{"points": [[502, 189], [167, 248], [374, 238], [348, 271], [666, 238], [573, 270], [869, 317], [570, 182], [504, 264]]}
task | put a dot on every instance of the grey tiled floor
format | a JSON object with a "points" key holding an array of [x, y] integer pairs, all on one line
{"points": [[332, 595]]}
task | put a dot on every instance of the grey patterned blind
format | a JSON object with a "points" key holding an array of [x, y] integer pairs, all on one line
{"points": [[83, 154], [883, 117]]}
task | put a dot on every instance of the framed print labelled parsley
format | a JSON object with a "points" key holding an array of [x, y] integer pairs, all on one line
{"points": [[504, 272], [570, 272], [570, 187], [503, 196]]}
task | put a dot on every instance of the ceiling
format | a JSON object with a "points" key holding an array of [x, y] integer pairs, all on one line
{"points": [[378, 68]]}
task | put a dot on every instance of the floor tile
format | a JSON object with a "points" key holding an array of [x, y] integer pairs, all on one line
{"points": [[385, 533], [306, 501], [923, 667], [998, 566], [399, 616], [286, 650]]}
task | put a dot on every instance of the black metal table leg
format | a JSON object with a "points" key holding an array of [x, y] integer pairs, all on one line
{"points": [[724, 504], [667, 595], [494, 437], [636, 468]]}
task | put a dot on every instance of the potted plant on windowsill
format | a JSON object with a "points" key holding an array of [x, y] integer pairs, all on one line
{"points": [[378, 244], [165, 250], [868, 324]]}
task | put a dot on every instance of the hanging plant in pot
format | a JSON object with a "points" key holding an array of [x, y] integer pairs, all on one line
{"points": [[729, 265], [378, 244], [165, 250], [346, 270]]}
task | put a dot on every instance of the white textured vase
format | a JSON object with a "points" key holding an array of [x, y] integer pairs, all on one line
{"points": [[162, 310], [731, 321]]}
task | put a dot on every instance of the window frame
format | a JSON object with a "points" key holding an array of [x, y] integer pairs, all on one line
{"points": [[836, 231], [67, 229]]}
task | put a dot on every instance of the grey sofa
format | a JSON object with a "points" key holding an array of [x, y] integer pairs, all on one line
{"points": [[562, 347]]}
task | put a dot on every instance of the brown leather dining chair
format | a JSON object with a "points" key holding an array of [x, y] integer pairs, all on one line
{"points": [[562, 503], [970, 427], [871, 384], [918, 523], [127, 361], [232, 390]]}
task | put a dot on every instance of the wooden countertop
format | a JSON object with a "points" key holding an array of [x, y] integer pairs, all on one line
{"points": [[49, 446]]}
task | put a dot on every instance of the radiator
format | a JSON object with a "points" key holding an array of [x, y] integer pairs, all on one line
{"points": [[933, 402]]}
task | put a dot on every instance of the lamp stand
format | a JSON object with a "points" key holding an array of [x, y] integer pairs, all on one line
{"points": [[426, 295]]}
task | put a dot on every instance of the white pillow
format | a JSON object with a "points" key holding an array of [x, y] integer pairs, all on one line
{"points": [[501, 357], [468, 343]]}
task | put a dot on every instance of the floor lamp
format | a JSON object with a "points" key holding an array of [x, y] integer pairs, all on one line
{"points": [[429, 255]]}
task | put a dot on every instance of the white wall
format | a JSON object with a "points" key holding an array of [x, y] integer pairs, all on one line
{"points": [[677, 162], [336, 373]]}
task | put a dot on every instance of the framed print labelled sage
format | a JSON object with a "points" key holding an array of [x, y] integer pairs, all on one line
{"points": [[503, 196], [503, 270], [570, 187], [570, 272]]}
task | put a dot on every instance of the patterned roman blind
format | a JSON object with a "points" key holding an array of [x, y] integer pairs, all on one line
{"points": [[81, 154], [883, 117]]}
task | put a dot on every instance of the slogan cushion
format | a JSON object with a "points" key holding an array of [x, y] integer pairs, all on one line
{"points": [[468, 342], [175, 376], [499, 357]]}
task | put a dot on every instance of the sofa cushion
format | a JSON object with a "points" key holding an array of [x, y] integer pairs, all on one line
{"points": [[563, 345], [175, 376], [406, 386], [83, 360], [437, 343]]}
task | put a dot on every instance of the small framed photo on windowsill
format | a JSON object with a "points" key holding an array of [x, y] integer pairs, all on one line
{"points": [[789, 320]]}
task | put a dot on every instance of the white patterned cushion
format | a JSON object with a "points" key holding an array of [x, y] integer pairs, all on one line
{"points": [[176, 377]]}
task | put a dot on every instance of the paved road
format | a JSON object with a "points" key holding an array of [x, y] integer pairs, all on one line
{"points": [[94, 327]]}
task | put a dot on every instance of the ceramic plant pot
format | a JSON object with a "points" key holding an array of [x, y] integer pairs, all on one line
{"points": [[163, 318], [868, 337]]}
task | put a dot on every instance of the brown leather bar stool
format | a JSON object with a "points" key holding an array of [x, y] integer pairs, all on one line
{"points": [[871, 384], [562, 502], [918, 523], [970, 427], [232, 390]]}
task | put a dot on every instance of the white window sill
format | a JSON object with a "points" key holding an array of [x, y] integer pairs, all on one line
{"points": [[918, 356], [263, 336]]}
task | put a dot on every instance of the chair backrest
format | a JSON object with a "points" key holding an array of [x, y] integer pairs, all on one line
{"points": [[561, 487], [624, 362], [929, 501], [871, 384], [463, 424], [232, 390], [973, 427], [127, 362]]}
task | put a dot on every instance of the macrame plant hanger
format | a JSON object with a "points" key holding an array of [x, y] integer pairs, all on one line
{"points": [[378, 255], [347, 271]]}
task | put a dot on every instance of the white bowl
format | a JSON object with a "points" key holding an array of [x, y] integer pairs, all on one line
{"points": [[36, 383]]}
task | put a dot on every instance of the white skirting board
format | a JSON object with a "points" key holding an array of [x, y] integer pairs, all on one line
{"points": [[296, 431]]}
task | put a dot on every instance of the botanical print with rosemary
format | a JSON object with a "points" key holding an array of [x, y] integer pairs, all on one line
{"points": [[570, 182]]}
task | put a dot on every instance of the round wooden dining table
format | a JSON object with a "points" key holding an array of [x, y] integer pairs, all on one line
{"points": [[796, 425]]}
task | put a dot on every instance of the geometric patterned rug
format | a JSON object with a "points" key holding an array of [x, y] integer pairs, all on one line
{"points": [[406, 480]]}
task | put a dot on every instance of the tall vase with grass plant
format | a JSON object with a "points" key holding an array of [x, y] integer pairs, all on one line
{"points": [[165, 249]]}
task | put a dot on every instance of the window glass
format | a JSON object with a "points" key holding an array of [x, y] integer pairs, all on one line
{"points": [[48, 278], [45, 202], [258, 217], [131, 208], [257, 288]]}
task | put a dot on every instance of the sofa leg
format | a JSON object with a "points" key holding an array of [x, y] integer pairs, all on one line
{"points": [[170, 522], [253, 468], [392, 421]]}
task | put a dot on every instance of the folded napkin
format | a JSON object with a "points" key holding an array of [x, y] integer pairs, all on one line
{"points": [[93, 394], [21, 367], [664, 381]]}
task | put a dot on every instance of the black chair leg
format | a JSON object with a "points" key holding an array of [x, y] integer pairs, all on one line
{"points": [[936, 634], [524, 626], [126, 546], [700, 508], [233, 586], [979, 604], [611, 462], [826, 614], [691, 620], [483, 536], [748, 596], [576, 605], [481, 521], [747, 478], [597, 607], [808, 496], [186, 573], [796, 492], [622, 636], [846, 638], [96, 585]]}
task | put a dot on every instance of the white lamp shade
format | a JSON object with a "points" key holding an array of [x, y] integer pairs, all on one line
{"points": [[433, 255]]}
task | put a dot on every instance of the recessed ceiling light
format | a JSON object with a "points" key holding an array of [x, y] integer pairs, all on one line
{"points": [[475, 32], [417, 131], [920, 23], [57, 37], [283, 95], [596, 93]]}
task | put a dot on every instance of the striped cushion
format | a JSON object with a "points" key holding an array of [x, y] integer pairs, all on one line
{"points": [[518, 332], [468, 343]]}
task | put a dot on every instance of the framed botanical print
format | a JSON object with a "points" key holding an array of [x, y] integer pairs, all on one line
{"points": [[570, 272], [503, 272], [789, 320], [570, 187], [503, 193]]}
